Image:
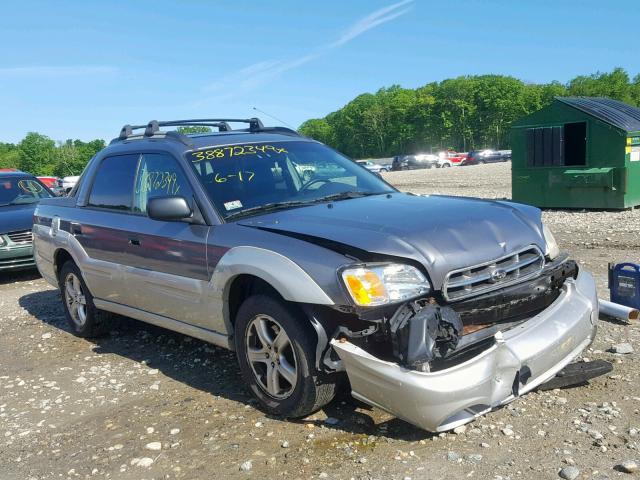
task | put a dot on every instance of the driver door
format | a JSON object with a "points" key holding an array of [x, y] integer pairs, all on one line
{"points": [[167, 266]]}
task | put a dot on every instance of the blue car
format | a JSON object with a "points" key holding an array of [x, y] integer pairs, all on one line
{"points": [[19, 195]]}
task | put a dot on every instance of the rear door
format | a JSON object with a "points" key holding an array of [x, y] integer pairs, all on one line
{"points": [[101, 226], [168, 274]]}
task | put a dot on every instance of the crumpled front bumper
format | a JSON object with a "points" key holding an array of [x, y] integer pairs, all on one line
{"points": [[521, 359]]}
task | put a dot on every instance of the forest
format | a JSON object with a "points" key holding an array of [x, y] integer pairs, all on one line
{"points": [[464, 113]]}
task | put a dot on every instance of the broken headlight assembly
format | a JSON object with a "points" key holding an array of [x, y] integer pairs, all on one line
{"points": [[551, 250], [373, 285]]}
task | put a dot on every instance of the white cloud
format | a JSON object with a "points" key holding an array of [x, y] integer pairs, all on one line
{"points": [[372, 20], [57, 71], [253, 76]]}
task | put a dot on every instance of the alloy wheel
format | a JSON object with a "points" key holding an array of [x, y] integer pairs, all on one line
{"points": [[75, 299], [271, 356]]}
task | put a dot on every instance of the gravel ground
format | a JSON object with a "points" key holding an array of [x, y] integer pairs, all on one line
{"points": [[144, 403]]}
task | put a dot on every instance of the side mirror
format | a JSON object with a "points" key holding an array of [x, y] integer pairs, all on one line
{"points": [[169, 208]]}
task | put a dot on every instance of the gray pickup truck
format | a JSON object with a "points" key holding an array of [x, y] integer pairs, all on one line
{"points": [[436, 309]]}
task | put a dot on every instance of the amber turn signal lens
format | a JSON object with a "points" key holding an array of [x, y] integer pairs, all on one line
{"points": [[366, 288]]}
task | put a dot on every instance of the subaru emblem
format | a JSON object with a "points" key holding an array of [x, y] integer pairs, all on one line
{"points": [[498, 274]]}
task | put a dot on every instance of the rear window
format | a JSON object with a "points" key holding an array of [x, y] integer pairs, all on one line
{"points": [[113, 182]]}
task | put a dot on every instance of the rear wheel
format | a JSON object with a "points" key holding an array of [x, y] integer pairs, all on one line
{"points": [[276, 353], [83, 317]]}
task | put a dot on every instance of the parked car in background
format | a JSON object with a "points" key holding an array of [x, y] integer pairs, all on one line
{"points": [[477, 157], [53, 183], [437, 308], [19, 194], [69, 182], [449, 158], [373, 167], [413, 162]]}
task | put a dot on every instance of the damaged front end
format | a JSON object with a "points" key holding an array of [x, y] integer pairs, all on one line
{"points": [[439, 364]]}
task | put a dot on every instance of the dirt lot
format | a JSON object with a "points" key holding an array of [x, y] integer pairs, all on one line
{"points": [[146, 403]]}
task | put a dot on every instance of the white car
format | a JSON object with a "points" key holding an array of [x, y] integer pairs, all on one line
{"points": [[69, 182], [372, 167]]}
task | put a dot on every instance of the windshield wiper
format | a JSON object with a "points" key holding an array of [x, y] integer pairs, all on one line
{"points": [[270, 207], [344, 196], [267, 207]]}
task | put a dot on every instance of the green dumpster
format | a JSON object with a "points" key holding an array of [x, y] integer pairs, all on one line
{"points": [[579, 152]]}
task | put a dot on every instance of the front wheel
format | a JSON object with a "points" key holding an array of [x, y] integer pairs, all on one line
{"points": [[276, 353]]}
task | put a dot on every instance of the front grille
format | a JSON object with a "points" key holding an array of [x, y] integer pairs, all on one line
{"points": [[485, 277], [20, 237]]}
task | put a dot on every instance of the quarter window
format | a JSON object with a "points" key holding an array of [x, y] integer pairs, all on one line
{"points": [[159, 175], [113, 182]]}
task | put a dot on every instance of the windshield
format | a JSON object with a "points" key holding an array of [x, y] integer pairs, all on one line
{"points": [[20, 191], [248, 179]]}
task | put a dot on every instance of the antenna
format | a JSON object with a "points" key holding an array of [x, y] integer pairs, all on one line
{"points": [[271, 116]]}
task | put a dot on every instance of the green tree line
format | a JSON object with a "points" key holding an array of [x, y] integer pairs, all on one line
{"points": [[39, 155], [463, 113]]}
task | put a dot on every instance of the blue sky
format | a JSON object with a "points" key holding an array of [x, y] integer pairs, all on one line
{"points": [[82, 69]]}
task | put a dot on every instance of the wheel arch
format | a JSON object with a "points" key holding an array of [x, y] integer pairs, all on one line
{"points": [[245, 270], [60, 257]]}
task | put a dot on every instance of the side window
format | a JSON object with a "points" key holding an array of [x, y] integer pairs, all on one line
{"points": [[159, 175], [113, 182]]}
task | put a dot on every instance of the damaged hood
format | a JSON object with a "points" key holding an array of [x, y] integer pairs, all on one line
{"points": [[442, 233]]}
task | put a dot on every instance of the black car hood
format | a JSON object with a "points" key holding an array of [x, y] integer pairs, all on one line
{"points": [[442, 233], [16, 217]]}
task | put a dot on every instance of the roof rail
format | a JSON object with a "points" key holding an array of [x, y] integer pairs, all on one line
{"points": [[152, 129]]}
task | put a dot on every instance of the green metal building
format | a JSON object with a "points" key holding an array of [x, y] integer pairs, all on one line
{"points": [[579, 152]]}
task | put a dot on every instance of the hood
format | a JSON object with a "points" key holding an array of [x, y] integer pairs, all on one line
{"points": [[16, 217], [442, 233]]}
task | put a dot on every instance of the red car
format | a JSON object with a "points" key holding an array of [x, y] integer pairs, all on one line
{"points": [[450, 158], [54, 183]]}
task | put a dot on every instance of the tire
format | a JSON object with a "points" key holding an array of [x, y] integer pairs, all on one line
{"points": [[83, 316], [307, 389], [445, 165]]}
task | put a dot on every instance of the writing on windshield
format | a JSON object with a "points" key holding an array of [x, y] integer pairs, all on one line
{"points": [[235, 151]]}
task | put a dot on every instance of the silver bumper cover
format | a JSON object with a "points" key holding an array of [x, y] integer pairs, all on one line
{"points": [[521, 359]]}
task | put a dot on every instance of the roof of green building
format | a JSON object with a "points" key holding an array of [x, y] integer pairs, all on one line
{"points": [[613, 112]]}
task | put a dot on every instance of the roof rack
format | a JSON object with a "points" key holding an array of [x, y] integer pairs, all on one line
{"points": [[152, 129]]}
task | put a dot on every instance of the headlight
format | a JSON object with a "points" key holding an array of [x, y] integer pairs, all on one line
{"points": [[551, 250], [382, 284]]}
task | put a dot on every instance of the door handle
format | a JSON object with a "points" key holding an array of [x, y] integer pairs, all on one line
{"points": [[134, 242], [76, 228]]}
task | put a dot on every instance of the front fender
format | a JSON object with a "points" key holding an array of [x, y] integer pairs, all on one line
{"points": [[285, 276]]}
